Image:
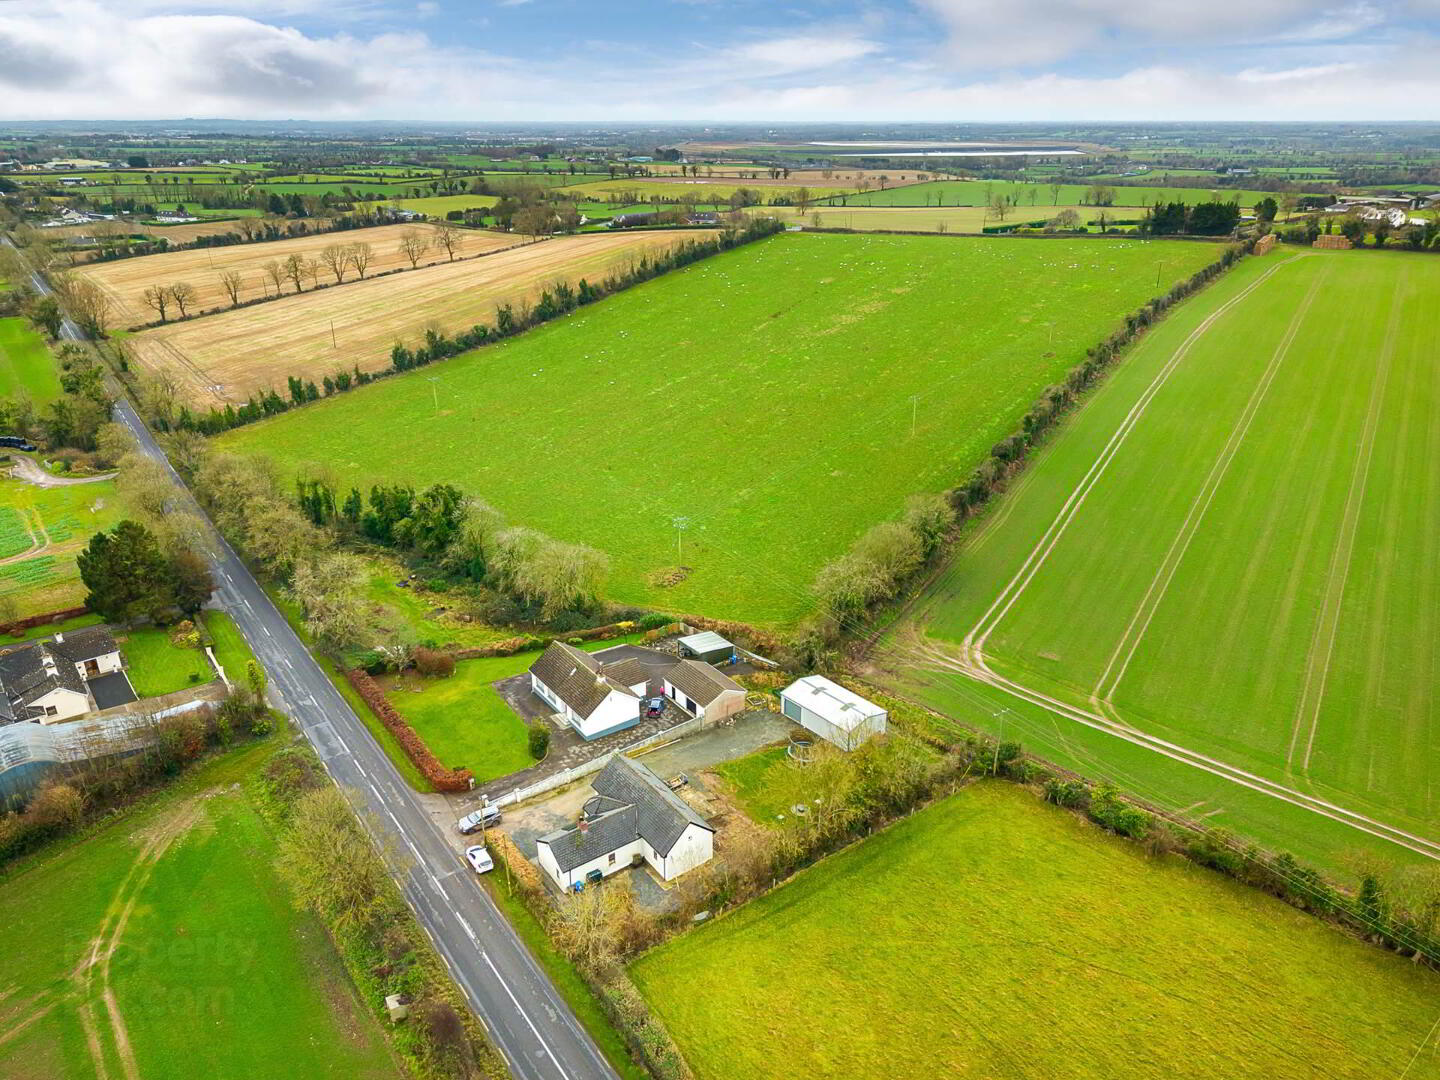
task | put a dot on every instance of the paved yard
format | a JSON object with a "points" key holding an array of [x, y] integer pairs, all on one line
{"points": [[112, 690]]}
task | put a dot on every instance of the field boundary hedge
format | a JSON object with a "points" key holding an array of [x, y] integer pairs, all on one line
{"points": [[441, 777], [31, 621]]}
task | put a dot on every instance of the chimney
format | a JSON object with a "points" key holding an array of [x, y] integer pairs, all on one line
{"points": [[60, 637]]}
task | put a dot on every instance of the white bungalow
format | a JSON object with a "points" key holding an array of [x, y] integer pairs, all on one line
{"points": [[593, 697], [633, 818]]}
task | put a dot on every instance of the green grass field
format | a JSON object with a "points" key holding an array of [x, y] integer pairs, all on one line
{"points": [[156, 666], [767, 396], [994, 936], [1039, 196], [752, 781], [1252, 574], [464, 720], [938, 219], [26, 366], [440, 205], [206, 966]]}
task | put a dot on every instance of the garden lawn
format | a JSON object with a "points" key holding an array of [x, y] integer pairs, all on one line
{"points": [[214, 972], [994, 936], [463, 718], [751, 781], [420, 609], [26, 366], [777, 401], [156, 667], [1254, 575]]}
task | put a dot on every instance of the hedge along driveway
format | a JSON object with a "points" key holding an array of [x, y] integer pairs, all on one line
{"points": [[765, 396]]}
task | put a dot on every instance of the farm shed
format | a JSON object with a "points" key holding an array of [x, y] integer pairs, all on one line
{"points": [[708, 646], [829, 710], [633, 815]]}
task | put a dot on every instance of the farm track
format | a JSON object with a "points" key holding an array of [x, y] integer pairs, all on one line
{"points": [[971, 661]]}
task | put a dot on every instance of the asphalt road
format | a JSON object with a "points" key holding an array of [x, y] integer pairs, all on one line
{"points": [[522, 1011]]}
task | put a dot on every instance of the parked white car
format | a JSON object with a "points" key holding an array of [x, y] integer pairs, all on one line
{"points": [[484, 818], [479, 859]]}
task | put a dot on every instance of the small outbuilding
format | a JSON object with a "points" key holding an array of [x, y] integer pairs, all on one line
{"points": [[834, 713], [707, 646]]}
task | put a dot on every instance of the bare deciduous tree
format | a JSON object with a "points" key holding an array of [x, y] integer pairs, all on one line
{"points": [[157, 297], [330, 587], [182, 292], [360, 255], [231, 281], [413, 245], [337, 260], [294, 268], [275, 273], [447, 237]]}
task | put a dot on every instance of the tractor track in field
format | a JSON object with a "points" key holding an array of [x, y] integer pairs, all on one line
{"points": [[972, 663], [1327, 626], [1102, 697]]}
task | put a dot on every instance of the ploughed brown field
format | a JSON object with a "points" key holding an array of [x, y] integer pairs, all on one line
{"points": [[126, 280], [227, 357]]}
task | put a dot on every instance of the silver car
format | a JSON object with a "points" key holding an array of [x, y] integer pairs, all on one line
{"points": [[484, 818]]}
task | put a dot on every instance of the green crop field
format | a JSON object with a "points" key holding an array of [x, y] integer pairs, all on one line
{"points": [[1234, 548], [940, 219], [1039, 196], [26, 366], [971, 940], [440, 205], [58, 523], [780, 399], [201, 965]]}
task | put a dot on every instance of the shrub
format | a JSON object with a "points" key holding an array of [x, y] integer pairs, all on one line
{"points": [[1068, 793], [434, 663], [1110, 811], [539, 738], [654, 621]]}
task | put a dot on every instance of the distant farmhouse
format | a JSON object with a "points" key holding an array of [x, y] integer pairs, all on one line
{"points": [[634, 817]]}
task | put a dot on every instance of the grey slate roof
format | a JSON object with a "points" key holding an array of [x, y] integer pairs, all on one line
{"points": [[25, 677], [642, 807], [701, 682], [575, 677], [80, 645]]}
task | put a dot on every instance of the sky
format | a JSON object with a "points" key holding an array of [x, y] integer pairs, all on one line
{"points": [[696, 61]]}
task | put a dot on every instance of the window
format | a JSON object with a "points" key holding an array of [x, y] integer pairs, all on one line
{"points": [[611, 860], [51, 710]]}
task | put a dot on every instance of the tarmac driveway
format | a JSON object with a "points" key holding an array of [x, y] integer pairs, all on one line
{"points": [[112, 690]]}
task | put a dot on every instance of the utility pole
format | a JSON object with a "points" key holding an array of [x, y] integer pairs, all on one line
{"points": [[681, 524], [333, 343], [914, 411], [434, 391]]}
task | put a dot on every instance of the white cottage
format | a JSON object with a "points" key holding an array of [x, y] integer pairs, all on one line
{"points": [[593, 697], [633, 816], [46, 680], [829, 710]]}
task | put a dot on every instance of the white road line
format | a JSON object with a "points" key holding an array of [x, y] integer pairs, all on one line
{"points": [[466, 927], [529, 1023]]}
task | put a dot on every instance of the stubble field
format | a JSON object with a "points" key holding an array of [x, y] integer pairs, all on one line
{"points": [[228, 356], [125, 280], [778, 399], [1234, 552]]}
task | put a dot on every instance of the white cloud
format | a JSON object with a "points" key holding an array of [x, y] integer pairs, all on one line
{"points": [[802, 52]]}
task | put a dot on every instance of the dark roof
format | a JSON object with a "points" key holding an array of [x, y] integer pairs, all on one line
{"points": [[640, 805], [25, 676], [701, 682], [574, 676], [604, 833], [661, 815], [81, 645], [627, 672]]}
